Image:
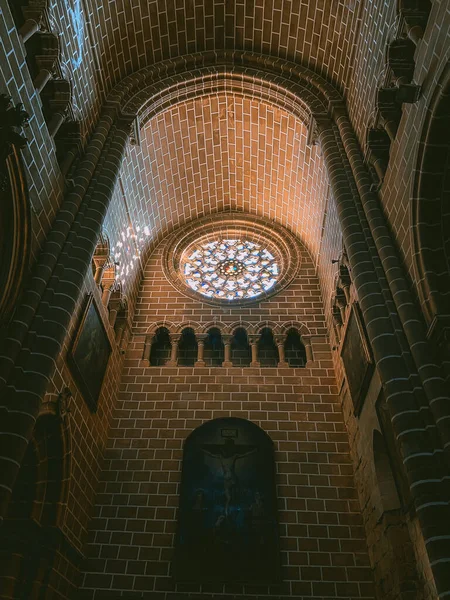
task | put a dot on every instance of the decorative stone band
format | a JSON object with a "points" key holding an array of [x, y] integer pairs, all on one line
{"points": [[277, 240]]}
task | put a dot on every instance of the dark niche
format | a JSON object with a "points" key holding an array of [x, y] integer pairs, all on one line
{"points": [[227, 527]]}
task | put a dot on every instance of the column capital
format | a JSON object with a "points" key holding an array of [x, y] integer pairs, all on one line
{"points": [[279, 338]]}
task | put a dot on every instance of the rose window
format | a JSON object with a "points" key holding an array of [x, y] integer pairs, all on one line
{"points": [[230, 269], [231, 259]]}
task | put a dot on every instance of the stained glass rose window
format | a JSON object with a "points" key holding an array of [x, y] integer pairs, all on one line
{"points": [[230, 269], [231, 259]]}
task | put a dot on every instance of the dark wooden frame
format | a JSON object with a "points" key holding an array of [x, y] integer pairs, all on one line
{"points": [[88, 383], [352, 352]]}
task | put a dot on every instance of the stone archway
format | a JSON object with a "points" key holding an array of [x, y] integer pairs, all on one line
{"points": [[431, 212]]}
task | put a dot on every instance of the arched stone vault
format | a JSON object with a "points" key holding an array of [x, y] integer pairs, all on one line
{"points": [[381, 288]]}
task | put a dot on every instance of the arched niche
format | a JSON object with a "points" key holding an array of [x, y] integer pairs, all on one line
{"points": [[241, 354], [214, 348], [161, 347], [385, 478], [294, 350], [187, 348], [267, 349], [227, 517]]}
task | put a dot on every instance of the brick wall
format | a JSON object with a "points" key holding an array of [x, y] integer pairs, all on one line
{"points": [[42, 170], [323, 549]]}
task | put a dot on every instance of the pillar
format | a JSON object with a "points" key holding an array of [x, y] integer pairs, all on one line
{"points": [[56, 121], [99, 270], [114, 307], [308, 350], [41, 79], [174, 339], [108, 288], [253, 339], [380, 284], [201, 337], [279, 340], [227, 350], [29, 28], [148, 347], [66, 257]]}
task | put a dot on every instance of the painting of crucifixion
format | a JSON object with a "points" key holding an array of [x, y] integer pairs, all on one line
{"points": [[227, 518]]}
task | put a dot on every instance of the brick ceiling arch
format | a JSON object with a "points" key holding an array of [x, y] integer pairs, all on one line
{"points": [[115, 38], [222, 152], [222, 132]]}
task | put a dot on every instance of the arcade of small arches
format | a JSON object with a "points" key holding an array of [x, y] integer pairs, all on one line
{"points": [[237, 345]]}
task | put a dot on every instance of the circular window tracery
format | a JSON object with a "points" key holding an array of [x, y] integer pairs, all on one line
{"points": [[230, 269], [231, 259]]}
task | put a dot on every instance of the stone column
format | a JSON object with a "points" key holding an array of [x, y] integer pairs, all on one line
{"points": [[148, 347], [114, 307], [57, 119], [174, 339], [201, 337], [279, 340], [109, 285], [227, 348], [33, 21], [123, 335], [62, 266], [100, 266], [308, 350], [384, 297], [253, 339]]}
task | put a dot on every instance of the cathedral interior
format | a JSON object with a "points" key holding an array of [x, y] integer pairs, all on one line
{"points": [[224, 299]]}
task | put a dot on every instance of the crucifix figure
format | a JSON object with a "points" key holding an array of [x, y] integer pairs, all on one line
{"points": [[228, 454]]}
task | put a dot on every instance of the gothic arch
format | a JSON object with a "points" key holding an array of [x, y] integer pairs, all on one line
{"points": [[430, 205]]}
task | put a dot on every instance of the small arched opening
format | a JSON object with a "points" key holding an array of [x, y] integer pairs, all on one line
{"points": [[267, 349], [161, 348], [187, 348], [294, 350], [241, 354], [214, 349]]}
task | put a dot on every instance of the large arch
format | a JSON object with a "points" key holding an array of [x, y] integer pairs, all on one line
{"points": [[430, 206]]}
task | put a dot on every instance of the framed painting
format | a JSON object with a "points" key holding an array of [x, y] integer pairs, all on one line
{"points": [[357, 358], [227, 524], [89, 354]]}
